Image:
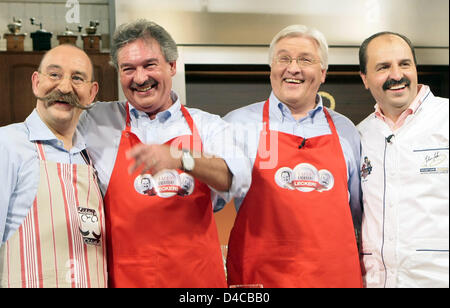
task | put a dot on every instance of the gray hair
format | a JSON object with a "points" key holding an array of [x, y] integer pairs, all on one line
{"points": [[301, 30], [143, 29]]}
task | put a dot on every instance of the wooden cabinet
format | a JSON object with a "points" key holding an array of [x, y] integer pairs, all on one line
{"points": [[17, 100]]}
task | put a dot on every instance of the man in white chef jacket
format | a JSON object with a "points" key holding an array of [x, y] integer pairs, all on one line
{"points": [[404, 170]]}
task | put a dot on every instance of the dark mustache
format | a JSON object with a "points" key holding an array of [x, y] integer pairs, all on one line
{"points": [[392, 82], [148, 82], [69, 98]]}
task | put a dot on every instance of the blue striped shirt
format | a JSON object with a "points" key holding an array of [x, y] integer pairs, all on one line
{"points": [[19, 167]]}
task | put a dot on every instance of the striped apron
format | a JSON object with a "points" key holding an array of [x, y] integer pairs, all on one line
{"points": [[61, 241]]}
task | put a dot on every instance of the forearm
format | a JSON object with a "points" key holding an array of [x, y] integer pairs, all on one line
{"points": [[212, 171]]}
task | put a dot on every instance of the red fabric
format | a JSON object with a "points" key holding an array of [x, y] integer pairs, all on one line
{"points": [[291, 238], [160, 242]]}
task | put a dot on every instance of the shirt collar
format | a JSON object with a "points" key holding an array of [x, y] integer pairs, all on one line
{"points": [[283, 113], [162, 116], [39, 131]]}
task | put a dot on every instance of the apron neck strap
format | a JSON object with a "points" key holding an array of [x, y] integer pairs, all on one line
{"points": [[266, 116], [195, 139], [40, 150], [330, 121], [266, 119]]}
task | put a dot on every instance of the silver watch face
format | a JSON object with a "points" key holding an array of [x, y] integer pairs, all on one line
{"points": [[188, 161]]}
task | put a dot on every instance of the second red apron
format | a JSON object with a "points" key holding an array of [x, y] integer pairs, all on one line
{"points": [[163, 232]]}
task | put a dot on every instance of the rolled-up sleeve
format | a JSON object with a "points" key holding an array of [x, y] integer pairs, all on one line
{"points": [[221, 141]]}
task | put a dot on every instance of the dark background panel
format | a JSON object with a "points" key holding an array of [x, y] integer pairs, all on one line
{"points": [[221, 88]]}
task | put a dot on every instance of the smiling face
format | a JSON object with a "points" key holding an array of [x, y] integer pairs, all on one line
{"points": [[145, 75], [146, 184], [293, 85], [59, 78], [391, 74]]}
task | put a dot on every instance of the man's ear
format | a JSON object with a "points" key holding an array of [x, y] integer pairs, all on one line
{"points": [[324, 76], [173, 68], [35, 83], [94, 91], [364, 79]]}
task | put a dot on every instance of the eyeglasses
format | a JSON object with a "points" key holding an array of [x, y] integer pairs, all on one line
{"points": [[301, 61], [77, 80]]}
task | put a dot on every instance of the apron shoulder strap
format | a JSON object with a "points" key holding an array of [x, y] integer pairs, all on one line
{"points": [[86, 157], [196, 141], [40, 150]]}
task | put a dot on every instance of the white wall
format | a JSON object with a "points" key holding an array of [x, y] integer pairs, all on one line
{"points": [[238, 31], [344, 22]]}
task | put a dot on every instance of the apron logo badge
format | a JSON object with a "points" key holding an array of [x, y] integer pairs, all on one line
{"points": [[144, 185], [90, 229], [366, 168], [305, 178], [165, 184]]}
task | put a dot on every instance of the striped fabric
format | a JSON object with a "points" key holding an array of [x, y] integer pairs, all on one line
{"points": [[48, 249]]}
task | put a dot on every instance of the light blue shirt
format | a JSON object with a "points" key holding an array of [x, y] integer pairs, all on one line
{"points": [[19, 167], [247, 122], [103, 124]]}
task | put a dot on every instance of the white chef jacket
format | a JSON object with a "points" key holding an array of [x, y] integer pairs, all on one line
{"points": [[404, 179]]}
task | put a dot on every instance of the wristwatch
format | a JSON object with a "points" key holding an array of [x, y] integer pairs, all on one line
{"points": [[187, 161]]}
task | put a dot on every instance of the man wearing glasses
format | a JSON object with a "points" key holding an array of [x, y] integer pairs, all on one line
{"points": [[301, 237], [49, 188]]}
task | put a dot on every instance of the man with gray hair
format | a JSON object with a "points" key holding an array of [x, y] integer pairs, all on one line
{"points": [[165, 240], [300, 237]]}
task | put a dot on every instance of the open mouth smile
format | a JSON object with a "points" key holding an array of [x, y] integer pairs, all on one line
{"points": [[144, 88], [397, 87], [292, 80]]}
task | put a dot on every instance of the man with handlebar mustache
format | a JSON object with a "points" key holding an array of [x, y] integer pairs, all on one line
{"points": [[51, 209]]}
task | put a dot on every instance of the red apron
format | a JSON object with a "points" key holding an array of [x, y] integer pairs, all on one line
{"points": [[294, 228], [166, 238]]}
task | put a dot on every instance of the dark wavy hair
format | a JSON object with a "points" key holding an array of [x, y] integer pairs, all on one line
{"points": [[143, 29]]}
